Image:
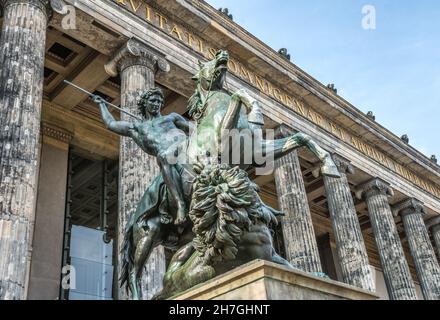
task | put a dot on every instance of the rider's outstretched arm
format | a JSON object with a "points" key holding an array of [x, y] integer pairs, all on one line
{"points": [[183, 124], [123, 128]]}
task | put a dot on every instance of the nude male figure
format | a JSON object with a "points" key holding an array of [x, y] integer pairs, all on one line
{"points": [[158, 136]]}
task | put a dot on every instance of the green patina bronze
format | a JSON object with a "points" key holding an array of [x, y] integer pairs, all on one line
{"points": [[230, 225]]}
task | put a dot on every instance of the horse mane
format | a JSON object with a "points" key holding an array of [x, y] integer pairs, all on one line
{"points": [[225, 205], [195, 105]]}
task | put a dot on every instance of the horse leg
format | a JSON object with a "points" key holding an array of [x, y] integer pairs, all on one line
{"points": [[232, 116], [280, 147]]}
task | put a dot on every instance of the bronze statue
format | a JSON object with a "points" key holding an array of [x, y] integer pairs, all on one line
{"points": [[159, 136], [231, 224]]}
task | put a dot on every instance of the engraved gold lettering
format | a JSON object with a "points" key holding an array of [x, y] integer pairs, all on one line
{"points": [[277, 94], [232, 65], [134, 6], [211, 53], [148, 13], [260, 83], [201, 46], [190, 38], [244, 73], [301, 108], [177, 32], [162, 20]]}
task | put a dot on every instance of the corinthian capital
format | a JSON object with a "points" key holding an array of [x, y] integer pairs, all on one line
{"points": [[344, 165], [135, 52], [409, 206], [374, 187], [433, 223]]}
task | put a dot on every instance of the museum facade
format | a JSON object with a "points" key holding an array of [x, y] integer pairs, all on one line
{"points": [[68, 185]]}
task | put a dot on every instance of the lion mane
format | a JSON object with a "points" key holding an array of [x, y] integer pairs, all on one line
{"points": [[225, 204]]}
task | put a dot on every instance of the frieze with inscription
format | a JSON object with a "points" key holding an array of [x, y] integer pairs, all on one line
{"points": [[188, 38]]}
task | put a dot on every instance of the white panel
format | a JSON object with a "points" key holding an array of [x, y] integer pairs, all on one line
{"points": [[91, 259], [88, 244]]}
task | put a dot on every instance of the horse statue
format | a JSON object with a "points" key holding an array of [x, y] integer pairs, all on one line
{"points": [[229, 225]]}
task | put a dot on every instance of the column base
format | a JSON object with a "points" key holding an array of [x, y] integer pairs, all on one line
{"points": [[263, 280]]}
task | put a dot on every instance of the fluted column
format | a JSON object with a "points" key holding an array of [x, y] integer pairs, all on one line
{"points": [[350, 246], [435, 230], [395, 267], [137, 64], [422, 252], [299, 235], [22, 49]]}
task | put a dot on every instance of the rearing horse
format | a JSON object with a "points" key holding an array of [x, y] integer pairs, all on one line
{"points": [[216, 112]]}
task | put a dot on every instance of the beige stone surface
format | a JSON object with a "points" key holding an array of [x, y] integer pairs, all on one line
{"points": [[263, 280], [45, 272]]}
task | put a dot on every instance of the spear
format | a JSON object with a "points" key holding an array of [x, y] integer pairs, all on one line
{"points": [[93, 96]]}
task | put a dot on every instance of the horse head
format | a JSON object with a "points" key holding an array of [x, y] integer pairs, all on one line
{"points": [[212, 74]]}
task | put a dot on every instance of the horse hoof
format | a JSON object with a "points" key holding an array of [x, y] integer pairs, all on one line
{"points": [[329, 169]]}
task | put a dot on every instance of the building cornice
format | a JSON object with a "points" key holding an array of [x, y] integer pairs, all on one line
{"points": [[289, 69]]}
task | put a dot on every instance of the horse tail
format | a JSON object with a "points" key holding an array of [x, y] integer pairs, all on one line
{"points": [[127, 252]]}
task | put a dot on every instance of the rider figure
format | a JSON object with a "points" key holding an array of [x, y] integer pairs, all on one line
{"points": [[158, 136]]}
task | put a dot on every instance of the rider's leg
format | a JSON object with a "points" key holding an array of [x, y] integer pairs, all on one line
{"points": [[143, 250], [132, 282], [172, 180]]}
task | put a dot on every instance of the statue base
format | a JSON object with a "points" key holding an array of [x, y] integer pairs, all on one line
{"points": [[263, 280]]}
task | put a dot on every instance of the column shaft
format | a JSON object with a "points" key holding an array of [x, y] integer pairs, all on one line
{"points": [[350, 246], [137, 64], [137, 170], [422, 252], [436, 236], [22, 49], [395, 267], [299, 235]]}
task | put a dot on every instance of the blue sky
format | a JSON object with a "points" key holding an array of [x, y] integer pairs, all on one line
{"points": [[393, 70]]}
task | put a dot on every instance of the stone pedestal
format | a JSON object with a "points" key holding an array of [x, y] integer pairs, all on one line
{"points": [[350, 246], [263, 280], [396, 272], [22, 45], [137, 64], [427, 267], [299, 235]]}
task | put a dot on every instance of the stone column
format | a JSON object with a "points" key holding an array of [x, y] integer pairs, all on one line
{"points": [[137, 64], [396, 272], [44, 280], [435, 230], [22, 45], [299, 235], [350, 246], [422, 252]]}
